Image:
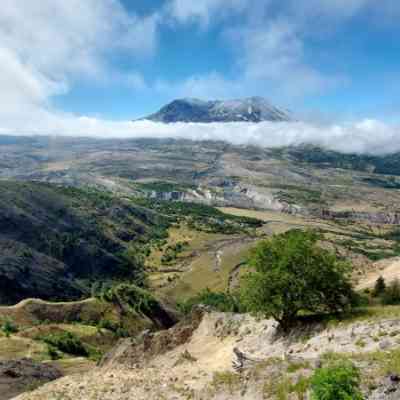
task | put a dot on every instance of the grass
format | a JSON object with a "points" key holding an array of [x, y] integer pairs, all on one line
{"points": [[197, 261], [204, 274], [227, 381], [283, 387], [197, 241], [76, 365], [16, 347], [32, 312], [297, 366]]}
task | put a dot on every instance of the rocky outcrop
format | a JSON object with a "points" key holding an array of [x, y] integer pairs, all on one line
{"points": [[150, 344], [388, 390], [384, 218]]}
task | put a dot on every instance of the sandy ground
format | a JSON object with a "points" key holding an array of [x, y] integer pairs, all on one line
{"points": [[388, 269]]}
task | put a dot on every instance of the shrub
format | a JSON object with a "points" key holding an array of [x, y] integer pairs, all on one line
{"points": [[9, 327], [380, 287], [107, 324], [66, 342], [223, 302], [114, 327], [338, 381], [293, 274], [53, 353], [391, 296]]}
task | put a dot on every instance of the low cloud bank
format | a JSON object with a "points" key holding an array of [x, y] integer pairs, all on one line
{"points": [[366, 136]]}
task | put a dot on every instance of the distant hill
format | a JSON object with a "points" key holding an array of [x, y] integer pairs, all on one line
{"points": [[253, 109]]}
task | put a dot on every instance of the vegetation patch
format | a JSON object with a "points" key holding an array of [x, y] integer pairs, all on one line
{"points": [[291, 274], [163, 187], [339, 381], [66, 342], [201, 217], [299, 195], [220, 301], [8, 327]]}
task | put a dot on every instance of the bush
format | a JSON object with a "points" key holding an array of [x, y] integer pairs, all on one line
{"points": [[9, 327], [391, 295], [66, 342], [292, 274], [114, 327], [223, 302], [380, 287], [53, 353], [339, 381]]}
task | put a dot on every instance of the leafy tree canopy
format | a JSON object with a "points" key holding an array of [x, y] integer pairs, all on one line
{"points": [[291, 273]]}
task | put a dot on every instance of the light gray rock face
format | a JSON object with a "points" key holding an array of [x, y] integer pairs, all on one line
{"points": [[253, 109], [390, 389]]}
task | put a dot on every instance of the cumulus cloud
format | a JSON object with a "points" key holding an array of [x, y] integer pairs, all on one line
{"points": [[273, 56], [48, 45], [270, 40]]}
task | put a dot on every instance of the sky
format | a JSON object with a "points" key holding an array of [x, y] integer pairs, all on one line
{"points": [[89, 67]]}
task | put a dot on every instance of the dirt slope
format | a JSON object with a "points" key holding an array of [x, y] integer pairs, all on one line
{"points": [[223, 356], [388, 269]]}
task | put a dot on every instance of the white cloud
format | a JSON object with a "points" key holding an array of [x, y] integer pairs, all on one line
{"points": [[47, 45], [273, 55], [270, 42], [365, 136], [204, 11]]}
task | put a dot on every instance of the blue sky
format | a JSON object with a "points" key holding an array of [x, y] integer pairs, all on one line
{"points": [[348, 55], [91, 66]]}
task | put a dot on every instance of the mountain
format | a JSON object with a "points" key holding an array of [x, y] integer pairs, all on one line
{"points": [[253, 109]]}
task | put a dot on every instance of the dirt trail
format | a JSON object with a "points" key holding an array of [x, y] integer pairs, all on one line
{"points": [[388, 269], [27, 302]]}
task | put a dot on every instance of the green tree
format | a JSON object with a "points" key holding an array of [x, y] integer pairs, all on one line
{"points": [[291, 273], [380, 287], [336, 382]]}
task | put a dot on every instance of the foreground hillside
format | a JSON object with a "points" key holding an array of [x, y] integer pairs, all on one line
{"points": [[56, 242], [80, 217], [228, 356]]}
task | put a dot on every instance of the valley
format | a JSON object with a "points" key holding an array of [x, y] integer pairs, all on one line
{"points": [[81, 218]]}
